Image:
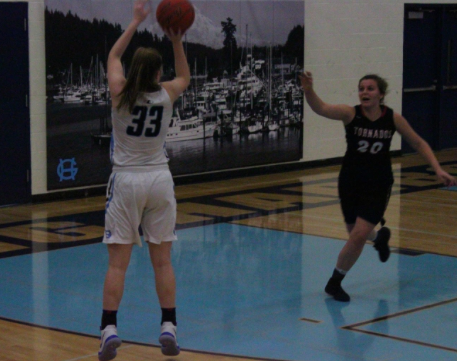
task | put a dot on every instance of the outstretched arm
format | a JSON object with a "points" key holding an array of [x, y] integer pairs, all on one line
{"points": [[116, 77], [177, 86], [423, 148], [332, 111]]}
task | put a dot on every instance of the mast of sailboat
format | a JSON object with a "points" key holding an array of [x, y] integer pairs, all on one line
{"points": [[184, 95], [270, 77], [251, 73], [96, 82], [282, 73], [196, 76], [247, 41], [245, 47], [89, 75]]}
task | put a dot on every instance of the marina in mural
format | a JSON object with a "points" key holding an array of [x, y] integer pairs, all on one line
{"points": [[252, 105], [259, 98]]}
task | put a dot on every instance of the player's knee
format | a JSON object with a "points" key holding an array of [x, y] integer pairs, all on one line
{"points": [[357, 238]]}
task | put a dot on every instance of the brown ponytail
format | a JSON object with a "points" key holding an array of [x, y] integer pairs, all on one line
{"points": [[142, 77]]}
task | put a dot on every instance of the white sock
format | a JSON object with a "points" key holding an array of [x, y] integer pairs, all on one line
{"points": [[343, 272], [372, 236]]}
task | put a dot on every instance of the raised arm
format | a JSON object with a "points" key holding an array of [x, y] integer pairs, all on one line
{"points": [[423, 148], [341, 112], [116, 78], [181, 81]]}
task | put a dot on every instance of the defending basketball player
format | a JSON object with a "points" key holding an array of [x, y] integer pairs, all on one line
{"points": [[140, 189], [366, 176]]}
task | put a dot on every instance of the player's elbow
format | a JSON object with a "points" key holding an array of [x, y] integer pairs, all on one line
{"points": [[418, 144], [186, 80], [182, 82], [320, 110]]}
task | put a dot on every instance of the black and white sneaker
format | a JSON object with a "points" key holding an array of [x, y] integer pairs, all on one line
{"points": [[334, 289], [381, 244], [167, 339], [109, 342]]}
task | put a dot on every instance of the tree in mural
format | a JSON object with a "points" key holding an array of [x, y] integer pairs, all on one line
{"points": [[296, 36], [230, 46]]}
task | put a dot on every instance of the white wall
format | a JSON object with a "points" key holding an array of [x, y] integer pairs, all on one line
{"points": [[344, 40], [37, 96]]}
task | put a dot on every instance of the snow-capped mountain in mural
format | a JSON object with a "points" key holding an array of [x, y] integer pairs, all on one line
{"points": [[208, 32]]}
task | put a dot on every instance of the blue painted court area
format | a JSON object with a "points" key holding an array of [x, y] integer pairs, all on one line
{"points": [[251, 292]]}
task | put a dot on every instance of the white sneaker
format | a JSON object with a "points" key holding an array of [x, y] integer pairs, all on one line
{"points": [[109, 343], [168, 339]]}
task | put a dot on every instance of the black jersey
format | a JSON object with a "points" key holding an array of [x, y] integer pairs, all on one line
{"points": [[367, 157]]}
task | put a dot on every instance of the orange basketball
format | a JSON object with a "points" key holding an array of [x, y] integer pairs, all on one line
{"points": [[175, 14]]}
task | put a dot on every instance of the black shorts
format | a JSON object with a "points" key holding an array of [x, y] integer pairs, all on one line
{"points": [[365, 200]]}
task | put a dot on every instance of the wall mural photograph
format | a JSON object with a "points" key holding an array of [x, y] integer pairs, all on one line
{"points": [[244, 106]]}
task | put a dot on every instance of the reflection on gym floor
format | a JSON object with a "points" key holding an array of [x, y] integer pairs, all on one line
{"points": [[251, 262]]}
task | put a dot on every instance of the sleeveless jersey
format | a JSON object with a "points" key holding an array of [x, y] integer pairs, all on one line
{"points": [[138, 139], [367, 156]]}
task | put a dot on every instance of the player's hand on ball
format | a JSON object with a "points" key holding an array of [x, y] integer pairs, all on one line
{"points": [[141, 10], [172, 35]]}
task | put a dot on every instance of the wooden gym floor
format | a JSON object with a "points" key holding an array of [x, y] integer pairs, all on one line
{"points": [[252, 259]]}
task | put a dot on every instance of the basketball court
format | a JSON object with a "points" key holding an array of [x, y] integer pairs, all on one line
{"points": [[251, 263]]}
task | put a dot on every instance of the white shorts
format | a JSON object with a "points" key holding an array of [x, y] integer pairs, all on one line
{"points": [[140, 199]]}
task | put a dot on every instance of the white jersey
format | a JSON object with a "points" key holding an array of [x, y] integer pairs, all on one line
{"points": [[138, 139]]}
